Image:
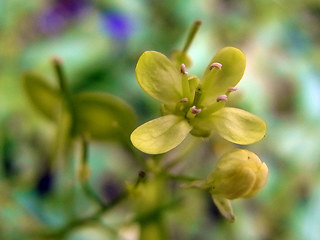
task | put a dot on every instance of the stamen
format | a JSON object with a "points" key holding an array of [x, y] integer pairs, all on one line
{"points": [[184, 100], [195, 110], [183, 69], [215, 65], [232, 89], [222, 98]]}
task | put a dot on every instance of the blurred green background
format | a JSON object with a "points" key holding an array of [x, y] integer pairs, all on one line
{"points": [[100, 42]]}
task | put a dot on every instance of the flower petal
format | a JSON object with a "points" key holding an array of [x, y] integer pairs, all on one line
{"points": [[261, 180], [159, 77], [160, 135], [239, 126], [216, 82]]}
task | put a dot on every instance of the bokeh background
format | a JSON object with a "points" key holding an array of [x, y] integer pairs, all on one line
{"points": [[100, 42]]}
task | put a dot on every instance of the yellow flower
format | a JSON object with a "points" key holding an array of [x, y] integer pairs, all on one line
{"points": [[238, 174], [191, 105]]}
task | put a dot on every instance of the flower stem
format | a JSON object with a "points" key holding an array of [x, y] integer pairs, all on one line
{"points": [[65, 91], [192, 33], [84, 173], [181, 178], [62, 232], [135, 154]]}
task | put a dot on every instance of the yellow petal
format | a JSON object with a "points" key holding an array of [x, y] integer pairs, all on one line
{"points": [[216, 82], [238, 126], [160, 135], [159, 77], [238, 174]]}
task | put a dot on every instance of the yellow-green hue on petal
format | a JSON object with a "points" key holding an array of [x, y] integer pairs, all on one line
{"points": [[44, 97], [224, 207], [238, 174], [160, 135], [238, 126], [180, 57], [261, 180], [216, 82], [159, 77], [102, 116]]}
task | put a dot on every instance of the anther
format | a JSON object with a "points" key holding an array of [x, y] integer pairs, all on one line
{"points": [[194, 110], [222, 98], [232, 89], [183, 69], [215, 65], [184, 100]]}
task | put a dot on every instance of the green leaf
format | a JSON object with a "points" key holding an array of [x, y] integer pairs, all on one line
{"points": [[216, 82], [44, 97], [225, 208], [159, 78], [103, 116], [238, 126], [160, 135]]}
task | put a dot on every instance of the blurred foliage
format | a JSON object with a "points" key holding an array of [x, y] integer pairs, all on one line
{"points": [[100, 42]]}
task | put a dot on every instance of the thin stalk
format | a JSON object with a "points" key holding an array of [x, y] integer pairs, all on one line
{"points": [[192, 33], [62, 232], [181, 178], [84, 173], [135, 153], [65, 91]]}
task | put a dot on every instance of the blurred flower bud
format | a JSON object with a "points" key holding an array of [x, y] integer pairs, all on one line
{"points": [[238, 174]]}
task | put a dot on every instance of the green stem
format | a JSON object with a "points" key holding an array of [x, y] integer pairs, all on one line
{"points": [[135, 153], [181, 178], [83, 171], [61, 141], [189, 145], [192, 33], [91, 194], [84, 150], [61, 233], [65, 91]]}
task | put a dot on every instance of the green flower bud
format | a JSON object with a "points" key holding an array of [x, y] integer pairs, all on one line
{"points": [[238, 174]]}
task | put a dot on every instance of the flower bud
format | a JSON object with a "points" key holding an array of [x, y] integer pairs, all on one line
{"points": [[238, 174]]}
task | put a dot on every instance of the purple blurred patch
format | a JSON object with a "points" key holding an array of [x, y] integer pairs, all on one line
{"points": [[117, 24], [56, 16], [111, 189]]}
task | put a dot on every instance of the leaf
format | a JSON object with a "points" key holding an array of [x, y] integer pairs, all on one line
{"points": [[224, 207], [238, 126], [216, 82], [103, 116], [159, 78], [160, 135], [44, 97]]}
